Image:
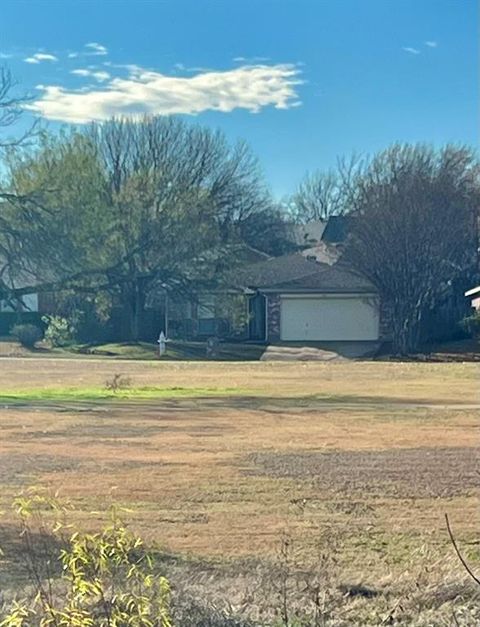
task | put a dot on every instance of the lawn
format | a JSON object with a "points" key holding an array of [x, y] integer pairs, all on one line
{"points": [[145, 351], [355, 463]]}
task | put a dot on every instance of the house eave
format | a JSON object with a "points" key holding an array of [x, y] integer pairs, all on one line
{"points": [[369, 292], [473, 291]]}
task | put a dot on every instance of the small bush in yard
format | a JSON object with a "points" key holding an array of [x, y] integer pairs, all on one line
{"points": [[27, 334], [471, 325], [59, 331], [117, 382]]}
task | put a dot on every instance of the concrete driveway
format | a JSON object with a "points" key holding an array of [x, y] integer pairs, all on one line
{"points": [[319, 351]]}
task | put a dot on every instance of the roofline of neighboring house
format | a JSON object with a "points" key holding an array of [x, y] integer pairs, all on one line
{"points": [[266, 256], [290, 290], [474, 290], [251, 291]]}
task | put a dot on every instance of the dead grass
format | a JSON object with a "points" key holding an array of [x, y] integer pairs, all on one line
{"points": [[369, 454]]}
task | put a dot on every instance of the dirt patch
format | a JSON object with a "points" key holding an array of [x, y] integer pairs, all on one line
{"points": [[400, 473]]}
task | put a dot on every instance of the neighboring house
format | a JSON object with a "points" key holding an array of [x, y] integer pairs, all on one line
{"points": [[30, 302], [337, 229], [474, 295], [307, 235], [322, 240], [296, 299], [18, 279], [29, 308]]}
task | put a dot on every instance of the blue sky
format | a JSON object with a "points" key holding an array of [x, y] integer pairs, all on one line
{"points": [[301, 80]]}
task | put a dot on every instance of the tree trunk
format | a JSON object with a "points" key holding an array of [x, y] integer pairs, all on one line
{"points": [[137, 312], [406, 329], [133, 297]]}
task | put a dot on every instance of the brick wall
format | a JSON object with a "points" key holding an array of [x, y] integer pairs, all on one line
{"points": [[385, 321], [273, 317]]}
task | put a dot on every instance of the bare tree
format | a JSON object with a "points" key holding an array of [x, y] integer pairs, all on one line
{"points": [[323, 194], [183, 157], [415, 229], [10, 105], [318, 196], [11, 234], [11, 110]]}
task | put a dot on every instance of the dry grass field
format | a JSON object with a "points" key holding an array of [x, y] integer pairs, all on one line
{"points": [[354, 463]]}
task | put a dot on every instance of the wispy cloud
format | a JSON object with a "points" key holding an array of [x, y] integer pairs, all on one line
{"points": [[5, 55], [96, 49], [411, 50], [180, 67], [431, 44], [250, 59], [149, 92], [38, 57], [98, 75], [92, 49]]}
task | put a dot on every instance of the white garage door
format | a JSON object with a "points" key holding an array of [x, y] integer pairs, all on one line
{"points": [[329, 318]]}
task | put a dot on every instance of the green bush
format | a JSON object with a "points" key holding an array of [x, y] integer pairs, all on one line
{"points": [[471, 325], [60, 331], [27, 334]]}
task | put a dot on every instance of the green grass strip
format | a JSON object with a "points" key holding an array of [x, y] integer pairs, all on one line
{"points": [[98, 393]]}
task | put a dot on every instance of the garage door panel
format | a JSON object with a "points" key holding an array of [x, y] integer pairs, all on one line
{"points": [[324, 319]]}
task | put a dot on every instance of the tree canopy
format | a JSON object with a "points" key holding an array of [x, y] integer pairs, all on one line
{"points": [[129, 205]]}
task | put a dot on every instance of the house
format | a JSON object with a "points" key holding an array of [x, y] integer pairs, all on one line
{"points": [[29, 308], [474, 295], [322, 240], [307, 235], [337, 229], [294, 298]]}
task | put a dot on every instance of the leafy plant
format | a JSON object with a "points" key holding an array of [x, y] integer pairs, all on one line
{"points": [[471, 324], [60, 331], [103, 579], [233, 307], [27, 334]]}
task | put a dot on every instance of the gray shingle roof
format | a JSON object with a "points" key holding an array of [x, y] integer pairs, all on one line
{"points": [[337, 229], [296, 273]]}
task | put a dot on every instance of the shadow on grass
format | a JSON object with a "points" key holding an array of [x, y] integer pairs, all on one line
{"points": [[180, 399], [18, 560]]}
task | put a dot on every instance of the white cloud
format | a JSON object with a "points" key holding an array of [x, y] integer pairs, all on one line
{"points": [[431, 44], [98, 75], [411, 50], [81, 72], [38, 57], [250, 59], [4, 55], [180, 67], [92, 49], [96, 49], [101, 76], [148, 92]]}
